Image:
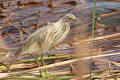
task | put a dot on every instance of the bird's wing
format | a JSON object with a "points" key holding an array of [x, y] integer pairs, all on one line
{"points": [[36, 37]]}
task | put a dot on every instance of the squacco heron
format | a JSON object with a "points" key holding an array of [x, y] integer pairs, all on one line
{"points": [[47, 37]]}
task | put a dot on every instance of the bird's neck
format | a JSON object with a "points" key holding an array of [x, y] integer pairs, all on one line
{"points": [[62, 24]]}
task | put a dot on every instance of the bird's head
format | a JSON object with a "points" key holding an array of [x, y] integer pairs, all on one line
{"points": [[69, 18]]}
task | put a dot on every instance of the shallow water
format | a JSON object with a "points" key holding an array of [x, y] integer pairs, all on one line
{"points": [[29, 17]]}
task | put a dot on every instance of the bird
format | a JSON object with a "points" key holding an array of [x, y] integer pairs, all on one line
{"points": [[46, 37]]}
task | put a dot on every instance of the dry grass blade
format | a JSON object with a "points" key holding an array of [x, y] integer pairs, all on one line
{"points": [[9, 17], [111, 71], [109, 13], [62, 73], [103, 37], [21, 36], [61, 64], [12, 37], [4, 75], [115, 63]]}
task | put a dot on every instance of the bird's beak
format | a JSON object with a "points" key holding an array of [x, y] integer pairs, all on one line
{"points": [[76, 21]]}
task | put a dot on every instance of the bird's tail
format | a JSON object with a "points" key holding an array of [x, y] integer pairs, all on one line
{"points": [[10, 56], [18, 52]]}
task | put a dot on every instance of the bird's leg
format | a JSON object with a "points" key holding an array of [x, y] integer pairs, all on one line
{"points": [[37, 61], [43, 62]]}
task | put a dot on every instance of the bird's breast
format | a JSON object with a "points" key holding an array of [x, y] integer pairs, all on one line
{"points": [[63, 32]]}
